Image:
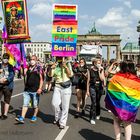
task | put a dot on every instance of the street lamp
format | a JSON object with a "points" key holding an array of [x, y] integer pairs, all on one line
{"points": [[138, 30]]}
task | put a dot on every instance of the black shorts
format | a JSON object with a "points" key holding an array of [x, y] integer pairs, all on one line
{"points": [[7, 94], [48, 79], [82, 86]]}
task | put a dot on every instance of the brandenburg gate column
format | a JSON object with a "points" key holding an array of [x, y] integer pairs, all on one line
{"points": [[108, 53], [118, 52]]}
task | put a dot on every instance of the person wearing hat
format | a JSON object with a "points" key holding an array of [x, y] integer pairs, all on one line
{"points": [[6, 84]]}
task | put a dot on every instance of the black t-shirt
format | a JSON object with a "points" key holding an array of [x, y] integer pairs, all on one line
{"points": [[95, 79], [80, 72], [33, 80]]}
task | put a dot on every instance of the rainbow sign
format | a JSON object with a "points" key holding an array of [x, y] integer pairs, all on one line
{"points": [[64, 31], [16, 21]]}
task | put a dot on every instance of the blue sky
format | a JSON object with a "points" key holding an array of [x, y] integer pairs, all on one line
{"points": [[110, 16]]}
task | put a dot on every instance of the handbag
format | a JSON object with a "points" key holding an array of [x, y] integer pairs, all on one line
{"points": [[75, 80], [66, 84]]}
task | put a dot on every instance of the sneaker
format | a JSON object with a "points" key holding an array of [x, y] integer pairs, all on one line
{"points": [[45, 91], [92, 122], [61, 127], [77, 115], [20, 119], [83, 112], [109, 111], [55, 122], [33, 119], [98, 117], [4, 117]]}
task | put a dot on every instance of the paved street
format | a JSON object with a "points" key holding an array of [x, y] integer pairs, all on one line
{"points": [[43, 129]]}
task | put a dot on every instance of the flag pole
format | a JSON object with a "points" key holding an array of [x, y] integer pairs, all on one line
{"points": [[22, 67]]}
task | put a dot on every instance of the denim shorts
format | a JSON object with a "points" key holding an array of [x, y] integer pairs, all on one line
{"points": [[30, 97]]}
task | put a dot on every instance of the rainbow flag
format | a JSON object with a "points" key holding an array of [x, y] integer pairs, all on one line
{"points": [[16, 57], [4, 33], [123, 96], [64, 12]]}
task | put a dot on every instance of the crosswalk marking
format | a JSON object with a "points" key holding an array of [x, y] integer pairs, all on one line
{"points": [[62, 133]]}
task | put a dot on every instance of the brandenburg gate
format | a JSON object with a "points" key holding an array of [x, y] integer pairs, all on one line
{"points": [[106, 40]]}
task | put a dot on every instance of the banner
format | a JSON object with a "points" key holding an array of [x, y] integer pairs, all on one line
{"points": [[15, 14], [64, 30]]}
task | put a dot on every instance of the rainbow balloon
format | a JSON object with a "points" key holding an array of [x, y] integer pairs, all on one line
{"points": [[123, 96]]}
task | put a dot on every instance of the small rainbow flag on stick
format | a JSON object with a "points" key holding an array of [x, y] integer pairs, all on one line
{"points": [[123, 96]]}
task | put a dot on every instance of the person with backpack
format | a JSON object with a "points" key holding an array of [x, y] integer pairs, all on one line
{"points": [[95, 88], [33, 89]]}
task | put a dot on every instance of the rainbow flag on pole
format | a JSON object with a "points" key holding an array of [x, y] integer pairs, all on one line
{"points": [[16, 57], [123, 96]]}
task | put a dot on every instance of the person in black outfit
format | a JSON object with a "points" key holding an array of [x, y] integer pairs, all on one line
{"points": [[95, 86], [81, 87], [48, 85]]}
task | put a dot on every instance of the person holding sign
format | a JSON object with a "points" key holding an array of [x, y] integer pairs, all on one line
{"points": [[62, 72]]}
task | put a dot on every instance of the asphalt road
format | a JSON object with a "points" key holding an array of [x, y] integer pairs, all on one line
{"points": [[43, 129]]}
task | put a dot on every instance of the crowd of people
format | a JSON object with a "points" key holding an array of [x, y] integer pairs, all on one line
{"points": [[89, 81]]}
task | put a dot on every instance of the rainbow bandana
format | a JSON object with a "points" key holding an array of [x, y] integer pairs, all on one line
{"points": [[123, 96]]}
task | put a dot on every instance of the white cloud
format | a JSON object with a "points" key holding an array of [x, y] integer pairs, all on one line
{"points": [[127, 34], [83, 17], [41, 32], [128, 4], [114, 18], [42, 9], [39, 1], [135, 13], [43, 27]]}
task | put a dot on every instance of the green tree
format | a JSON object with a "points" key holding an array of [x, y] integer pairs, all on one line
{"points": [[0, 19], [138, 27]]}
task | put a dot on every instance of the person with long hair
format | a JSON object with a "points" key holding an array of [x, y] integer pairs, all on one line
{"points": [[123, 98], [81, 87]]}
